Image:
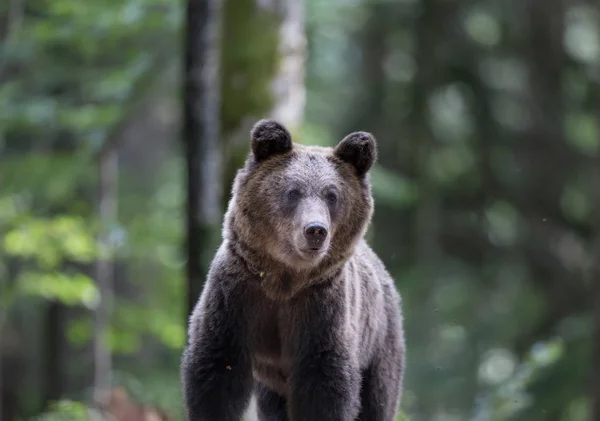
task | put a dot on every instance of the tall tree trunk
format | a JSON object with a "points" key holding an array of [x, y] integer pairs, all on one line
{"points": [[596, 294], [366, 111], [596, 287], [14, 19], [427, 213], [545, 132], [53, 364], [107, 211], [201, 133], [289, 93], [428, 208], [3, 317], [545, 136], [1, 364], [262, 68]]}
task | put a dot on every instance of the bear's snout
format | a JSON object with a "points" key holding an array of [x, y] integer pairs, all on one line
{"points": [[316, 234]]}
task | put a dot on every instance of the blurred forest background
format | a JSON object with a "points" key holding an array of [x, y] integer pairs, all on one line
{"points": [[487, 190]]}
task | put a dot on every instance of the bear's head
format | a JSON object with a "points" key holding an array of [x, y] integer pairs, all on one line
{"points": [[304, 207]]}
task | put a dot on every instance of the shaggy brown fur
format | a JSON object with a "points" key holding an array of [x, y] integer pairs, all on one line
{"points": [[296, 306]]}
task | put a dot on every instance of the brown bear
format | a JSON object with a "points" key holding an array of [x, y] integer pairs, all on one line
{"points": [[297, 308]]}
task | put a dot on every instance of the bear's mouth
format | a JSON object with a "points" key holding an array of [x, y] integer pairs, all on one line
{"points": [[312, 253]]}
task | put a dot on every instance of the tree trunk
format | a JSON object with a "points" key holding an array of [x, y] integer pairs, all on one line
{"points": [[428, 208], [262, 68], [107, 202], [201, 135], [1, 363], [14, 19], [289, 93], [425, 242], [366, 111], [53, 342], [596, 295], [596, 290], [543, 152]]}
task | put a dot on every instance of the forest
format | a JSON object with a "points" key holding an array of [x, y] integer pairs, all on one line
{"points": [[123, 123]]}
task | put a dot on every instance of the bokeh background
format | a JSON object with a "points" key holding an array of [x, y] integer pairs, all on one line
{"points": [[122, 123]]}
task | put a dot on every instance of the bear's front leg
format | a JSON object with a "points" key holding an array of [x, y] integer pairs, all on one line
{"points": [[325, 379], [216, 370], [325, 386]]}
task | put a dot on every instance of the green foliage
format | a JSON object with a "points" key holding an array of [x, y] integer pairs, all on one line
{"points": [[485, 199], [85, 61], [47, 244], [48, 241], [68, 289], [509, 399], [65, 410], [73, 75], [135, 321], [487, 235], [49, 182]]}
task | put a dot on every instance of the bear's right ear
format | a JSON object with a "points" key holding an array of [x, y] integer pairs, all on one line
{"points": [[358, 149], [269, 138]]}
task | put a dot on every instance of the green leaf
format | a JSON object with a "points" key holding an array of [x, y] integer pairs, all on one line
{"points": [[50, 241], [71, 290], [65, 410]]}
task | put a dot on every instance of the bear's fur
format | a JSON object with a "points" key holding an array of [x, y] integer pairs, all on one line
{"points": [[296, 307]]}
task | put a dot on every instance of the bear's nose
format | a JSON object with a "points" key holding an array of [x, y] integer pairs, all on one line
{"points": [[316, 234]]}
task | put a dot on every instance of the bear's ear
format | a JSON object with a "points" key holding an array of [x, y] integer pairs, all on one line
{"points": [[358, 149], [269, 138]]}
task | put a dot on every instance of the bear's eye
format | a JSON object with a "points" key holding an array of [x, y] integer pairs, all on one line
{"points": [[331, 198], [294, 194]]}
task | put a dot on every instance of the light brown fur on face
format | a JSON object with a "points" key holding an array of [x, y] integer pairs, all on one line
{"points": [[270, 234]]}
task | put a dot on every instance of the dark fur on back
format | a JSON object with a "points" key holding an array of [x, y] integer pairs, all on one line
{"points": [[314, 331]]}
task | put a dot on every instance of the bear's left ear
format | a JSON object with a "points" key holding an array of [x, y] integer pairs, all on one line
{"points": [[358, 149], [269, 138]]}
